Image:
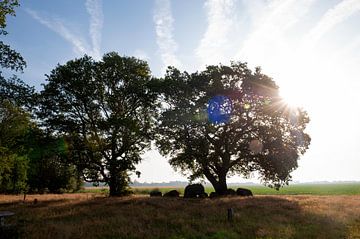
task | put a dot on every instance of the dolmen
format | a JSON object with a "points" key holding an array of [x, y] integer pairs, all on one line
{"points": [[213, 195], [230, 192], [155, 193], [243, 192], [172, 193], [195, 191]]}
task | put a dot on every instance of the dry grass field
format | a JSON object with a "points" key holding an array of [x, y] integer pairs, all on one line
{"points": [[87, 215]]}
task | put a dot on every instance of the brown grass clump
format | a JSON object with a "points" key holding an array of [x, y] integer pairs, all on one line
{"points": [[95, 216]]}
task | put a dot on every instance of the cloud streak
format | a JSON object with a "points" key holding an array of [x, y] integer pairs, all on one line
{"points": [[270, 27], [164, 34], [215, 44], [80, 46], [331, 18], [57, 26], [94, 8]]}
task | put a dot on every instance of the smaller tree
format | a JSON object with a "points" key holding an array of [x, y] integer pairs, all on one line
{"points": [[229, 120]]}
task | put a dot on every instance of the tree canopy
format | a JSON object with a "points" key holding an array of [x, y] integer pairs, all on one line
{"points": [[229, 120], [106, 111]]}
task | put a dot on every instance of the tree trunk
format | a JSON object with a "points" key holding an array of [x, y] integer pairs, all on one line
{"points": [[219, 184], [117, 184], [113, 185]]}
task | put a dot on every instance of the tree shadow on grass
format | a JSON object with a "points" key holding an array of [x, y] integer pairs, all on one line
{"points": [[145, 217]]}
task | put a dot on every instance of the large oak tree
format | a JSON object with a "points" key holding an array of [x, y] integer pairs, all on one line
{"points": [[229, 120], [106, 112]]}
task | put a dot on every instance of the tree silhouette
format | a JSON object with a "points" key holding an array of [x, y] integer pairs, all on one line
{"points": [[106, 112], [229, 120]]}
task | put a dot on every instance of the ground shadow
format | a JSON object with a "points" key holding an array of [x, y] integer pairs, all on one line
{"points": [[145, 217]]}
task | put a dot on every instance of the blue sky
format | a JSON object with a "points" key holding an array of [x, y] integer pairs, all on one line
{"points": [[310, 47]]}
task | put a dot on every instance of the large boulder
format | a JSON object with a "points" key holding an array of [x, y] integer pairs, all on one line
{"points": [[243, 192], [214, 195], [172, 193], [155, 193], [194, 191], [230, 192], [204, 195]]}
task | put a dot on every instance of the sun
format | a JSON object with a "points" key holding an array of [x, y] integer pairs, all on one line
{"points": [[293, 96]]}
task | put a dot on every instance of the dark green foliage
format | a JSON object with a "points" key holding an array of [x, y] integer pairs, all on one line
{"points": [[12, 172], [50, 169], [106, 111], [10, 59], [18, 92], [263, 134], [29, 159], [14, 125]]}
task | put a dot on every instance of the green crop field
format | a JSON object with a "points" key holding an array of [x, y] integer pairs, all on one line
{"points": [[295, 189], [312, 189]]}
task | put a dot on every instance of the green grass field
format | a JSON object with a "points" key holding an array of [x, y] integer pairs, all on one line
{"points": [[295, 189]]}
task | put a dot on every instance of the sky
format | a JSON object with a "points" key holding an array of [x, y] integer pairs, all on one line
{"points": [[311, 48]]}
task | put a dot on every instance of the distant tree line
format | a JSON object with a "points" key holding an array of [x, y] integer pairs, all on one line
{"points": [[94, 119]]}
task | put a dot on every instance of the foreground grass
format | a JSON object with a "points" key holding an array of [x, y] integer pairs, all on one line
{"points": [[95, 216]]}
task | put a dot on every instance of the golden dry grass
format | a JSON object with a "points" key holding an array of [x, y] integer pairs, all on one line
{"points": [[96, 216]]}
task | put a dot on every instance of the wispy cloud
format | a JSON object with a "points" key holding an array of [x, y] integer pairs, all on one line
{"points": [[80, 46], [164, 34], [270, 26], [94, 8], [331, 18], [57, 26], [215, 44]]}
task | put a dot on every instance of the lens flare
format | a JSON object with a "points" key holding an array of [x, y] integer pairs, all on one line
{"points": [[219, 109]]}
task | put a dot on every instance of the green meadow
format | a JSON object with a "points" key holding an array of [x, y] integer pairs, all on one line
{"points": [[294, 189]]}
